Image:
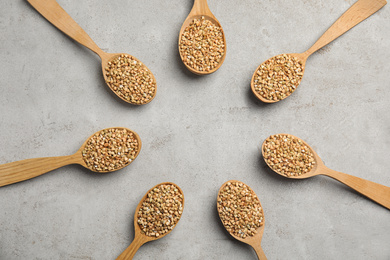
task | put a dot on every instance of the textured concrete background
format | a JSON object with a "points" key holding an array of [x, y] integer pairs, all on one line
{"points": [[198, 132]]}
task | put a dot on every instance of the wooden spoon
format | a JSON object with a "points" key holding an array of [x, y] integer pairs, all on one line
{"points": [[372, 190], [27, 169], [253, 241], [200, 9], [358, 12], [139, 237], [54, 13]]}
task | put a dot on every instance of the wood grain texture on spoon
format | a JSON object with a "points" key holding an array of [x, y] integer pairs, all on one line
{"points": [[292, 157], [105, 151], [274, 81], [124, 74]]}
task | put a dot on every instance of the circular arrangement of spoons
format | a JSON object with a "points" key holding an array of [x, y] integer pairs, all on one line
{"points": [[202, 48], [291, 157], [125, 75], [105, 151], [278, 77], [202, 43], [156, 216]]}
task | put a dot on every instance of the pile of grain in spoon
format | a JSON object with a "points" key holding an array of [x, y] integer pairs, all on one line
{"points": [[239, 209], [161, 210], [202, 45], [288, 155], [110, 149], [130, 79], [278, 77]]}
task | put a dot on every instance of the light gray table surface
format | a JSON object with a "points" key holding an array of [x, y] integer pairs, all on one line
{"points": [[198, 132]]}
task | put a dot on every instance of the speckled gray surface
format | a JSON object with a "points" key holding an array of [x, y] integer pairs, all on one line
{"points": [[198, 132]]}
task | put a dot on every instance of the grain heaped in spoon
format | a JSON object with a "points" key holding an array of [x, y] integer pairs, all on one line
{"points": [[288, 155], [126, 76], [278, 77], [202, 44], [291, 157], [241, 213], [108, 150], [156, 215], [111, 149], [161, 210], [130, 79]]}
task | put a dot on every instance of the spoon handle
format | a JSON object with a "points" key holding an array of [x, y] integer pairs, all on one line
{"points": [[377, 192], [358, 12], [129, 253], [27, 169], [201, 8], [54, 13], [259, 252]]}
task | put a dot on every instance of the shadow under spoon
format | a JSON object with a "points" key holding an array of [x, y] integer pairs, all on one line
{"points": [[30, 168], [376, 192], [358, 12], [56, 15]]}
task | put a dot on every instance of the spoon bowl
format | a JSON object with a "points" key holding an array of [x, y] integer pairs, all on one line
{"points": [[30, 168], [140, 238], [136, 136], [358, 12], [255, 240], [54, 13], [313, 172], [108, 57], [376, 192], [302, 57], [201, 9]]}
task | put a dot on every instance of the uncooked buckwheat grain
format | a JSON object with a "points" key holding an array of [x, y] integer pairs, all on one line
{"points": [[110, 149], [202, 45], [161, 210], [287, 155], [130, 79], [239, 209], [278, 77]]}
